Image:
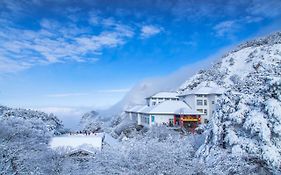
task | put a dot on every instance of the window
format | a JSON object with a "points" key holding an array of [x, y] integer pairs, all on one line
{"points": [[171, 122], [205, 111], [152, 119], [200, 102], [205, 102], [200, 110], [147, 120], [213, 102], [154, 103], [199, 95]]}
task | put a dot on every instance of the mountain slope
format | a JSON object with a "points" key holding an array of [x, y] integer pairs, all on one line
{"points": [[248, 116]]}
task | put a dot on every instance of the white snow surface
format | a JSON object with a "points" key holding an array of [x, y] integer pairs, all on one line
{"points": [[138, 108], [89, 143], [165, 95], [172, 107], [165, 107], [108, 139]]}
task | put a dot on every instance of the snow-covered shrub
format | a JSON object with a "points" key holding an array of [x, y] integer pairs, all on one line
{"points": [[222, 162], [91, 122], [24, 147], [53, 124], [126, 128], [166, 152]]}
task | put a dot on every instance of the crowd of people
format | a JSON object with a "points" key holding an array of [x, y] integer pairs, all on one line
{"points": [[83, 133]]}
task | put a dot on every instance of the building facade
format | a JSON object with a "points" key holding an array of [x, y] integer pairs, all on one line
{"points": [[203, 100], [187, 109], [173, 113]]}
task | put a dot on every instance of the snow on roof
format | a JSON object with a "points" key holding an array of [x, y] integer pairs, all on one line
{"points": [[204, 91], [165, 107], [90, 143], [165, 95], [171, 107], [137, 108], [148, 109]]}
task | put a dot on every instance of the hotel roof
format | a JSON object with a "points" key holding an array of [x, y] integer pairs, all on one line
{"points": [[164, 95], [166, 107]]}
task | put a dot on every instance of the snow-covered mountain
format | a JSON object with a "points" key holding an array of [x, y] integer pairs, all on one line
{"points": [[51, 121], [248, 116]]}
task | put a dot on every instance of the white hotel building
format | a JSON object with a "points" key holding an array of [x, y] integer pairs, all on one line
{"points": [[187, 109]]}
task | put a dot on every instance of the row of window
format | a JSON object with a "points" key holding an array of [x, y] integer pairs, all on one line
{"points": [[200, 95], [165, 99], [203, 110], [200, 102], [145, 119]]}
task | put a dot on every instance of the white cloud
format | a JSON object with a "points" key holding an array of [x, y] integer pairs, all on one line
{"points": [[59, 110], [149, 30], [68, 114], [55, 42], [225, 28], [115, 90], [66, 95], [228, 28], [76, 94], [8, 66], [252, 19], [269, 8], [94, 19]]}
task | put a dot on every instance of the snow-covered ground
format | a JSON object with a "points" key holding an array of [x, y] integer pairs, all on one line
{"points": [[108, 139], [90, 143]]}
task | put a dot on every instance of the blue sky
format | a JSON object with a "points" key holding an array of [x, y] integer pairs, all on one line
{"points": [[89, 53]]}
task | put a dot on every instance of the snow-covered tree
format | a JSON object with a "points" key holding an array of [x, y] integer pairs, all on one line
{"points": [[51, 121], [247, 120], [24, 147], [91, 121]]}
